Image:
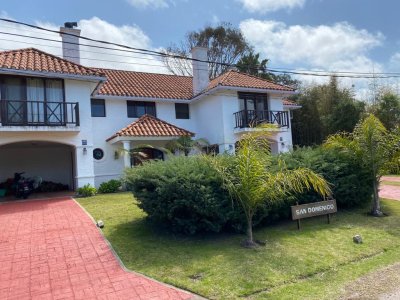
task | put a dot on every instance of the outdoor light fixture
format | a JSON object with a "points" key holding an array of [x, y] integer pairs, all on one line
{"points": [[84, 151]]}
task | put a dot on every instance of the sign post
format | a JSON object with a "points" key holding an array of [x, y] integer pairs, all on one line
{"points": [[313, 209]]}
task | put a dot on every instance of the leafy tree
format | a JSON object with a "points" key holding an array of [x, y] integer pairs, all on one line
{"points": [[326, 109], [388, 110], [251, 64], [249, 178], [226, 45], [371, 144], [186, 144]]}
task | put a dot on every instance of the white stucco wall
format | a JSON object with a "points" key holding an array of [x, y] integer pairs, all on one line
{"points": [[75, 91]]}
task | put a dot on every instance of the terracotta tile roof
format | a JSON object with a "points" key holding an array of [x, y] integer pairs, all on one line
{"points": [[234, 78], [288, 102], [151, 85], [162, 86], [151, 126], [31, 59]]}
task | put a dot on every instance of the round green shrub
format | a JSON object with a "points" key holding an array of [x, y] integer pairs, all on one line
{"points": [[183, 193], [111, 186]]}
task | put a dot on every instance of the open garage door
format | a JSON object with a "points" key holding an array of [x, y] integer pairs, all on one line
{"points": [[53, 162]]}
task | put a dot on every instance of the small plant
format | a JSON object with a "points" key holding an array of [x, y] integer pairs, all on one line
{"points": [[87, 191], [111, 186]]}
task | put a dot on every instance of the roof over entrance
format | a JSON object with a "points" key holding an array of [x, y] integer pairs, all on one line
{"points": [[149, 126]]}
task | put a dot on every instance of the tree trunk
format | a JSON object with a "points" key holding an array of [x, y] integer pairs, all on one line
{"points": [[376, 206], [249, 243]]}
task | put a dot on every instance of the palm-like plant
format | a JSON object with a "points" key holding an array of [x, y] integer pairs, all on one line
{"points": [[370, 143], [248, 177], [186, 144]]}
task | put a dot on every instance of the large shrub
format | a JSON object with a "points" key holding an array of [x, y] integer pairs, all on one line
{"points": [[183, 193], [350, 180]]}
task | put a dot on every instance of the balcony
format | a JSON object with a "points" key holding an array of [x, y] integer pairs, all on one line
{"points": [[252, 118], [39, 113]]}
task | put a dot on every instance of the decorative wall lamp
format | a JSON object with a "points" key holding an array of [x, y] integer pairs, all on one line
{"points": [[84, 151]]}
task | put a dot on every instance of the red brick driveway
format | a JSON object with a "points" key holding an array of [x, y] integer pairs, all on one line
{"points": [[50, 249]]}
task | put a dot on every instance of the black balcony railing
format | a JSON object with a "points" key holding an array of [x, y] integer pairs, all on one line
{"points": [[252, 118], [38, 113]]}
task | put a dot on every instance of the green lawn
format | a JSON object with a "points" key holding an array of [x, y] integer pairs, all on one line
{"points": [[314, 263], [396, 183]]}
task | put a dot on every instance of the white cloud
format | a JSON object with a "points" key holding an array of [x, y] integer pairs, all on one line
{"points": [[328, 47], [338, 47], [155, 4], [265, 6], [99, 29]]}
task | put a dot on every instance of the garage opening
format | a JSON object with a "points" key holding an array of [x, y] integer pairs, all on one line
{"points": [[53, 162]]}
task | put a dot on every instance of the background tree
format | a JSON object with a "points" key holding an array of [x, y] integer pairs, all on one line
{"points": [[249, 178], [371, 144], [327, 109], [226, 45], [388, 110], [252, 64]]}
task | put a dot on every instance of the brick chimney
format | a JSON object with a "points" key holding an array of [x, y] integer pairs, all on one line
{"points": [[200, 69], [70, 41]]}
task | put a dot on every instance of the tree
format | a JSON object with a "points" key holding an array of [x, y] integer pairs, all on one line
{"points": [[225, 44], [371, 143], [249, 178], [251, 64], [186, 144], [388, 110], [326, 109]]}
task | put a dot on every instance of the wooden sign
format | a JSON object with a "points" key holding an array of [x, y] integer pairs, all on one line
{"points": [[313, 209]]}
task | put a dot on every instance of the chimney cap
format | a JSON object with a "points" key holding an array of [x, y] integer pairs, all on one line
{"points": [[70, 24]]}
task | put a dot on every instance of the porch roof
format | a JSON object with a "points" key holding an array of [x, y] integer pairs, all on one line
{"points": [[149, 126]]}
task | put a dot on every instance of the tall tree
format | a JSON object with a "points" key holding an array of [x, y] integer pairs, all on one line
{"points": [[327, 109], [226, 45], [388, 110]]}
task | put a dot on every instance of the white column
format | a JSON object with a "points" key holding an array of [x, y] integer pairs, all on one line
{"points": [[127, 156], [227, 148], [84, 167]]}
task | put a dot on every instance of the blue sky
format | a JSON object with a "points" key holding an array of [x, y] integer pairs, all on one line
{"points": [[335, 35]]}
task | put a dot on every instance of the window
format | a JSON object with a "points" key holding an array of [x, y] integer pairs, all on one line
{"points": [[98, 154], [253, 101], [182, 110], [98, 107], [136, 109]]}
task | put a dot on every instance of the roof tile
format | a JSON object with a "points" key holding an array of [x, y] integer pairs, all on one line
{"points": [[148, 125], [31, 59]]}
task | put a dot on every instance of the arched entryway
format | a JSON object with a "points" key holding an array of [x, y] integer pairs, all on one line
{"points": [[53, 162]]}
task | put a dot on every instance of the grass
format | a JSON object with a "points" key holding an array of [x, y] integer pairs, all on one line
{"points": [[395, 183], [314, 263]]}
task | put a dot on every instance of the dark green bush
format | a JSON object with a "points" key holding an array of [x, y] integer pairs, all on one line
{"points": [[351, 182], [111, 186], [183, 193]]}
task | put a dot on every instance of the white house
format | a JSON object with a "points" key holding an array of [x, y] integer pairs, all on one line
{"points": [[67, 123]]}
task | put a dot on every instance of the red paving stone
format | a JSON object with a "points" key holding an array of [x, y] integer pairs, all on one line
{"points": [[389, 191], [50, 249]]}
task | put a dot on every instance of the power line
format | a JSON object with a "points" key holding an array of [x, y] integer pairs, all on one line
{"points": [[355, 75]]}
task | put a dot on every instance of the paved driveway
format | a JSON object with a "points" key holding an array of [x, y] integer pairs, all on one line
{"points": [[50, 249], [390, 191]]}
